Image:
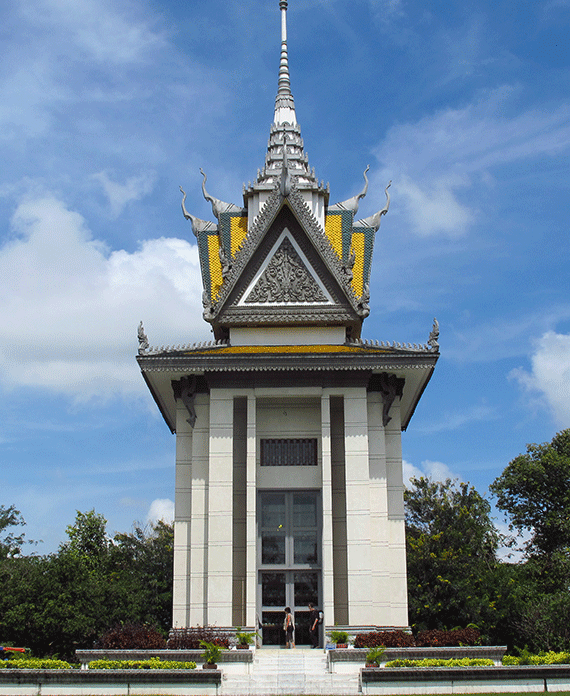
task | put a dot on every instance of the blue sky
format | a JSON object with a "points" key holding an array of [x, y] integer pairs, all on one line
{"points": [[108, 107]]}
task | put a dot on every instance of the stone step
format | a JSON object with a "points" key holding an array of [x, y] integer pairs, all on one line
{"points": [[290, 672]]}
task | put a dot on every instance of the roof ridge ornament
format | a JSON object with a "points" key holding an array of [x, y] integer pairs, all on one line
{"points": [[433, 339], [374, 220], [352, 203], [218, 206], [198, 225]]}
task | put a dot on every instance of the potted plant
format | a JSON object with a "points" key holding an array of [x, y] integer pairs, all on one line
{"points": [[374, 655], [340, 638], [211, 654], [244, 639]]}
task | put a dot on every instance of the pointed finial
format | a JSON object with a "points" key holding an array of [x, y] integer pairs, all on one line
{"points": [[284, 104]]}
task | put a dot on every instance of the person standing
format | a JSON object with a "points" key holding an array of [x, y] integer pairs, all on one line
{"points": [[289, 627], [314, 626]]}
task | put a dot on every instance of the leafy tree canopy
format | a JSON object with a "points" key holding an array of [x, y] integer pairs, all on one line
{"points": [[451, 556], [534, 491], [10, 542]]}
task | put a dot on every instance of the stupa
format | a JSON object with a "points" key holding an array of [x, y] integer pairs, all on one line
{"points": [[289, 485]]}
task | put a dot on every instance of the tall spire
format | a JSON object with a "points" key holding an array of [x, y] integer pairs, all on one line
{"points": [[284, 103], [286, 161]]}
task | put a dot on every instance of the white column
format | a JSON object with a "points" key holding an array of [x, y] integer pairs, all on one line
{"points": [[357, 506], [396, 520], [379, 555], [198, 521], [327, 546], [220, 509], [182, 517], [251, 508]]}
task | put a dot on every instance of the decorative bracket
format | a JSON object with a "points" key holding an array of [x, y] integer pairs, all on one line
{"points": [[390, 387], [185, 389]]}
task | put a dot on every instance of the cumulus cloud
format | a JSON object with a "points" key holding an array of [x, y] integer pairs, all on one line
{"points": [[549, 377], [71, 307], [161, 509], [434, 162]]}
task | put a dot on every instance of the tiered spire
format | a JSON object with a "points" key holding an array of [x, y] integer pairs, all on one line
{"points": [[285, 132]]}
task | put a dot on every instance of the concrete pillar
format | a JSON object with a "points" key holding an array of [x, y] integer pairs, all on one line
{"points": [[183, 514], [379, 555], [396, 520], [251, 522], [357, 505], [199, 520], [220, 509], [327, 547]]}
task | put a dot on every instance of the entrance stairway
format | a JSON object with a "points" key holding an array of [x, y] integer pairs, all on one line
{"points": [[299, 671]]}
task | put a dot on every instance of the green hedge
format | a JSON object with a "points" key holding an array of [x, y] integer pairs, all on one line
{"points": [[549, 658], [34, 663], [152, 663], [432, 662]]}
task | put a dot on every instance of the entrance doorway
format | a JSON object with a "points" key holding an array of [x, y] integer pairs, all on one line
{"points": [[289, 561]]}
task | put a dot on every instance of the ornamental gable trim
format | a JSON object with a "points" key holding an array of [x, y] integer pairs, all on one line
{"points": [[286, 273], [285, 278]]}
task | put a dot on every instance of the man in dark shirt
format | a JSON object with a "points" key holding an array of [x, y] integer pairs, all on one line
{"points": [[314, 626]]}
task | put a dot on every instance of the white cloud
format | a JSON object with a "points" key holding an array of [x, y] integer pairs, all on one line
{"points": [[453, 421], [120, 195], [436, 471], [434, 161], [106, 31], [71, 308], [161, 509], [550, 375]]}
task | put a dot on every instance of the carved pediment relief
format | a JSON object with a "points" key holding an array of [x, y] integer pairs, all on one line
{"points": [[286, 277]]}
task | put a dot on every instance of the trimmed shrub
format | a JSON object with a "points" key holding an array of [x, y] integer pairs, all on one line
{"points": [[131, 637], [453, 662], [34, 663], [437, 637], [389, 639], [152, 663], [549, 658], [192, 638]]}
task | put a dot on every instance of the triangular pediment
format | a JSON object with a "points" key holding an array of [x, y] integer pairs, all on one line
{"points": [[286, 273], [286, 277]]}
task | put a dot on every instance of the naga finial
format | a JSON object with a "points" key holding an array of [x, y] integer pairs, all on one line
{"points": [[218, 206], [143, 340], [374, 220], [353, 203], [434, 336], [198, 225]]}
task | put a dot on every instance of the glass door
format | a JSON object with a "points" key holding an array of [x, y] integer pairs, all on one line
{"points": [[289, 561]]}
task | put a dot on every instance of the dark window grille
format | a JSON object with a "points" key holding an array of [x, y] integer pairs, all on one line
{"points": [[289, 452]]}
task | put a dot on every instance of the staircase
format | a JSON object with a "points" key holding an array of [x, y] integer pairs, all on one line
{"points": [[298, 671]]}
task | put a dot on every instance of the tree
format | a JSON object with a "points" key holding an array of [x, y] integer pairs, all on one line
{"points": [[451, 555], [87, 537], [145, 559], [67, 600], [10, 542], [534, 491]]}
